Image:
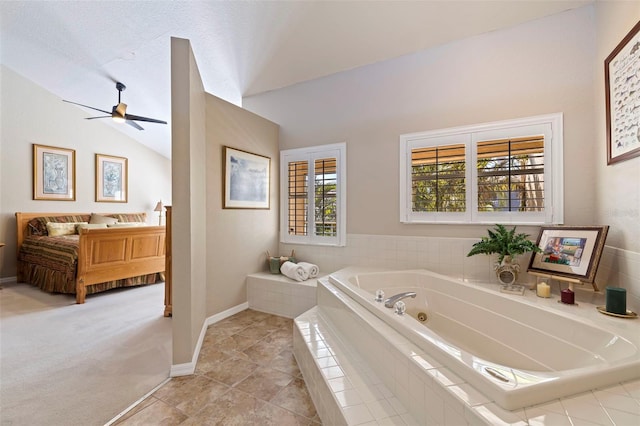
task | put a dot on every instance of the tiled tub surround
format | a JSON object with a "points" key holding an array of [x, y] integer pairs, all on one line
{"points": [[448, 256], [278, 295], [431, 393]]}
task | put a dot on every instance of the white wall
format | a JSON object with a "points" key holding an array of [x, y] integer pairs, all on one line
{"points": [[617, 186], [537, 68], [554, 64], [32, 115]]}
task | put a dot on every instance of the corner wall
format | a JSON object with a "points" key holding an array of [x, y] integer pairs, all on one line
{"points": [[213, 248], [33, 115], [189, 196]]}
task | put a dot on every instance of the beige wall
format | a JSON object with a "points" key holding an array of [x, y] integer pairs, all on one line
{"points": [[32, 115], [541, 67], [189, 195], [617, 186], [237, 238], [213, 249]]}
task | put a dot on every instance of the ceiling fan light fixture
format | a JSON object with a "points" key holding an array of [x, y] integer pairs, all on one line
{"points": [[118, 119]]}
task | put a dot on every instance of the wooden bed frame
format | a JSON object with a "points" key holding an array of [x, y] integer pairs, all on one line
{"points": [[109, 254]]}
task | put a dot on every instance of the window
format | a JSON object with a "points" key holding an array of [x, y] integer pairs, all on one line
{"points": [[507, 172], [313, 195]]}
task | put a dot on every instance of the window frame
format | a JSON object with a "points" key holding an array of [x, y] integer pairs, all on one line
{"points": [[551, 125], [310, 155]]}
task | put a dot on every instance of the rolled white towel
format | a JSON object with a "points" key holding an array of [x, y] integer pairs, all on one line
{"points": [[310, 268], [293, 271]]}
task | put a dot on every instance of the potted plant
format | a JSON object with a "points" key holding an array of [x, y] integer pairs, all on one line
{"points": [[507, 245]]}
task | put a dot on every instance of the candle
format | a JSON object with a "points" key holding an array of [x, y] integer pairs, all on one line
{"points": [[568, 296], [616, 300], [543, 290]]}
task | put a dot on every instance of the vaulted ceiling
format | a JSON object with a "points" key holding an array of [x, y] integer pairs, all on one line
{"points": [[79, 49]]}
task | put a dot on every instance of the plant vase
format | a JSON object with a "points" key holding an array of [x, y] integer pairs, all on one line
{"points": [[507, 273]]}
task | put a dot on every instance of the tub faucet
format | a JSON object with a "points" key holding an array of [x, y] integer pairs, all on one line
{"points": [[396, 297]]}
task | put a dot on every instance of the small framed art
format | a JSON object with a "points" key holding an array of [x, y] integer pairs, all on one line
{"points": [[112, 179], [246, 180], [54, 173], [569, 251]]}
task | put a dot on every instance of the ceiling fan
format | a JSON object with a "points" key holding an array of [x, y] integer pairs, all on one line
{"points": [[119, 112]]}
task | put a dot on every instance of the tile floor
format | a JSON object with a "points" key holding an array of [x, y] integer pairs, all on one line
{"points": [[246, 374]]}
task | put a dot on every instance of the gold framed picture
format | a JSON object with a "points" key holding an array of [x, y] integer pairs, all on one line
{"points": [[54, 173], [112, 177]]}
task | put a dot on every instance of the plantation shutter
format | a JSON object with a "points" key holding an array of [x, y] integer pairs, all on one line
{"points": [[438, 178], [511, 175]]}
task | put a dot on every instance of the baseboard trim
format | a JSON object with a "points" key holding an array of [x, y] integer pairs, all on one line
{"points": [[189, 368], [8, 280]]}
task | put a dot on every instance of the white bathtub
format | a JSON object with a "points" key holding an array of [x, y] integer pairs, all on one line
{"points": [[517, 350]]}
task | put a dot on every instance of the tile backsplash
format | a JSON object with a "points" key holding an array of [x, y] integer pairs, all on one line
{"points": [[618, 268]]}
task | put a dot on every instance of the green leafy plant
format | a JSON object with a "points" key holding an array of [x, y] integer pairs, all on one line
{"points": [[505, 243]]}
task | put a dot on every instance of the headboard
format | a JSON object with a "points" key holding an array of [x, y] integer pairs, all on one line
{"points": [[22, 221]]}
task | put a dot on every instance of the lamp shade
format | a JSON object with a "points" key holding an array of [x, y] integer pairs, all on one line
{"points": [[159, 207]]}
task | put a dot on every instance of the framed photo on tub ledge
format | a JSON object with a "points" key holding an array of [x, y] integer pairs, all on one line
{"points": [[247, 180], [569, 253], [112, 179], [54, 173]]}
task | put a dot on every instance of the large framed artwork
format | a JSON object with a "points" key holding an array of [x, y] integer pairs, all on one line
{"points": [[54, 173], [246, 180], [112, 177], [569, 251], [622, 94]]}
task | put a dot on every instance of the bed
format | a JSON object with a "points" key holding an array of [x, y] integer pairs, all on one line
{"points": [[93, 258]]}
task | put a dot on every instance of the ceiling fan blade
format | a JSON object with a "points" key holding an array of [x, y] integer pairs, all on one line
{"points": [[102, 116], [134, 124], [87, 106], [138, 118]]}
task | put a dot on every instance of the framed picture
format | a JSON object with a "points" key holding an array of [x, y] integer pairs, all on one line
{"points": [[246, 180], [569, 251], [111, 179], [54, 173], [622, 94]]}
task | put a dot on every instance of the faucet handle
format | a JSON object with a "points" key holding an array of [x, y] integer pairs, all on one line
{"points": [[400, 307], [379, 295]]}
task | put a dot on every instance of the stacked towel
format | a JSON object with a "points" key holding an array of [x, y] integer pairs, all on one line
{"points": [[294, 271], [311, 269]]}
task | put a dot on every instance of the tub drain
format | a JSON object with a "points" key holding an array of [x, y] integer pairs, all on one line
{"points": [[422, 317]]}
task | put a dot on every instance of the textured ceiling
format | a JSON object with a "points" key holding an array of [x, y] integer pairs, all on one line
{"points": [[77, 50]]}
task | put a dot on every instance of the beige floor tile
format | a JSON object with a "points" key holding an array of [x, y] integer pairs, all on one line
{"points": [[295, 397], [286, 362], [272, 415], [157, 413], [246, 375], [264, 383], [232, 371]]}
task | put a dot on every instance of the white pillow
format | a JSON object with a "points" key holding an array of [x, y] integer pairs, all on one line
{"points": [[96, 218], [56, 229]]}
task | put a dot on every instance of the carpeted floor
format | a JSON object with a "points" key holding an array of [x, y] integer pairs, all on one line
{"points": [[67, 364]]}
